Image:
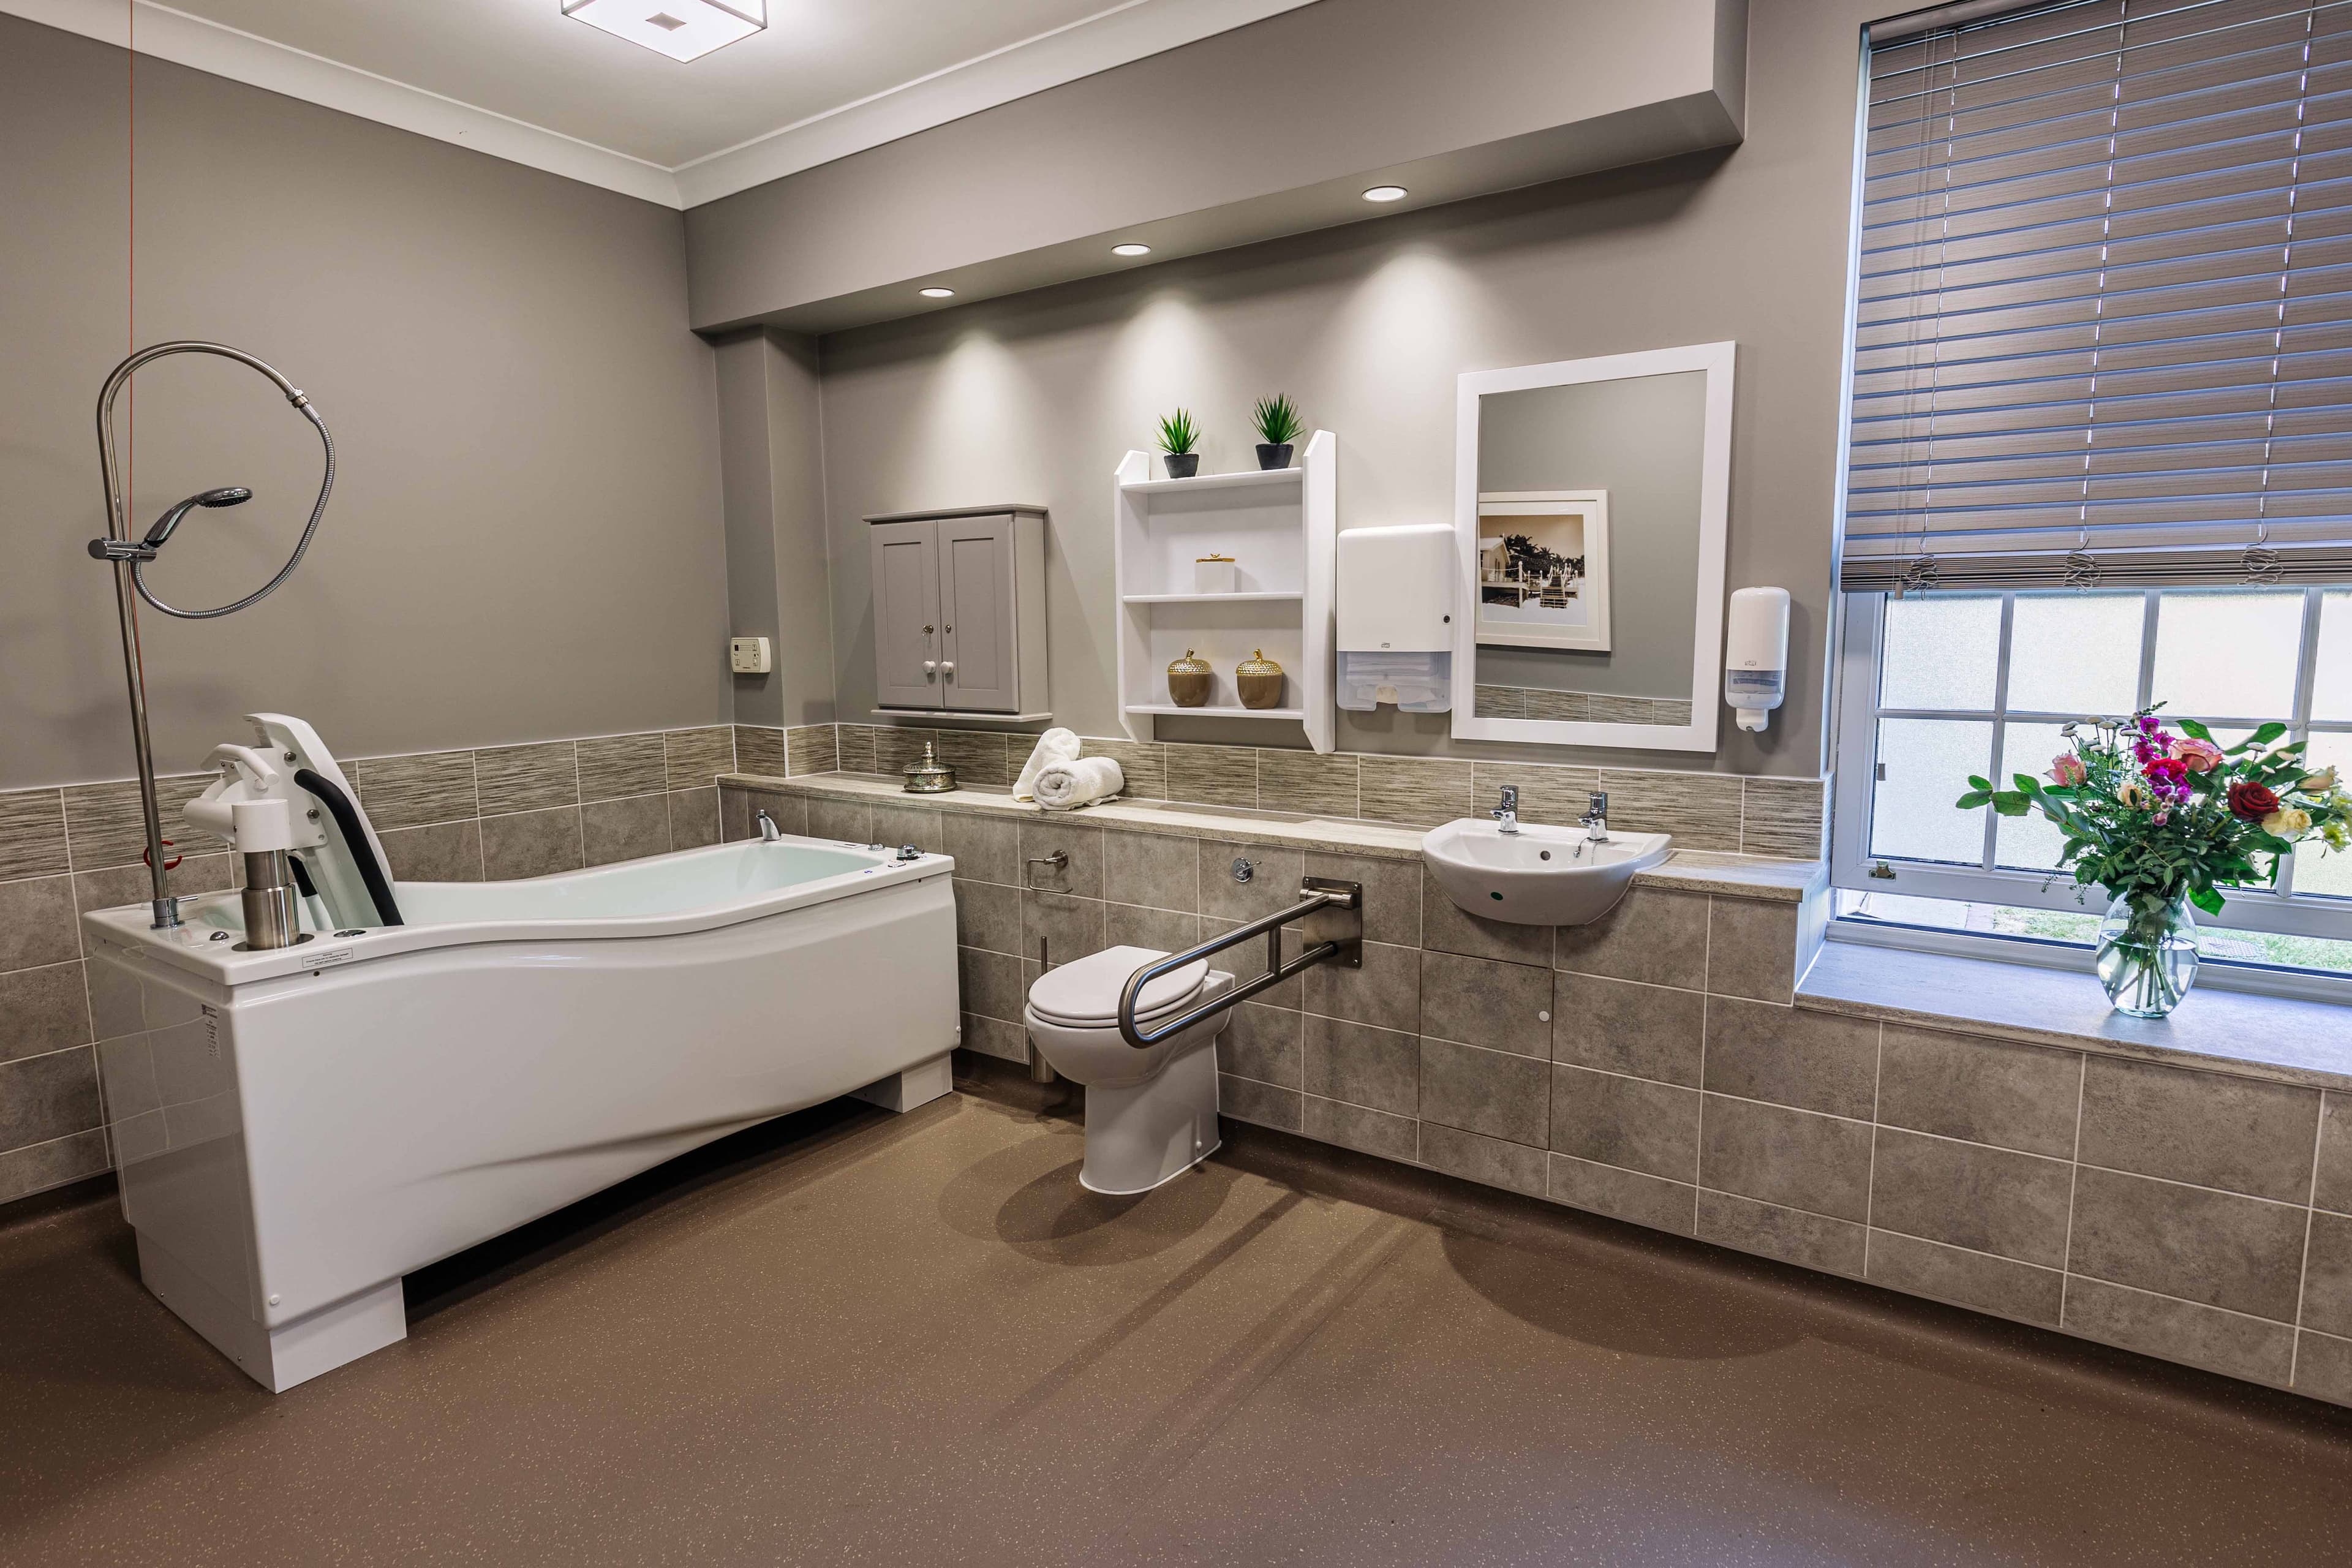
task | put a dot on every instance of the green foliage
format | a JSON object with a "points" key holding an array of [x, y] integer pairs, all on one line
{"points": [[1178, 434], [1277, 420], [2140, 823]]}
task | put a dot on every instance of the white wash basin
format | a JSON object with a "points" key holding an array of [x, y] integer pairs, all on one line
{"points": [[1537, 875]]}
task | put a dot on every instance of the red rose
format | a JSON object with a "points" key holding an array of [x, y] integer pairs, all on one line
{"points": [[2250, 802]]}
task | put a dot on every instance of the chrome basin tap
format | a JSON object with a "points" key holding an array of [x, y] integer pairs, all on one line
{"points": [[1506, 815], [1596, 817]]}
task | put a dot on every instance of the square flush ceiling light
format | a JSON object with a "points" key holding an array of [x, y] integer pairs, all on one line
{"points": [[682, 29]]}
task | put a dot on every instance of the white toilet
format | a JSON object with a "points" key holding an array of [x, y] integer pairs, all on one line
{"points": [[1152, 1113]]}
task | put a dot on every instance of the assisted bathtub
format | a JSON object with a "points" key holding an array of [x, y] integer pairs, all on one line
{"points": [[296, 1129]]}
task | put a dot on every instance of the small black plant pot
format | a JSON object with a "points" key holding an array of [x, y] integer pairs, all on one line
{"points": [[1271, 456], [1181, 465]]}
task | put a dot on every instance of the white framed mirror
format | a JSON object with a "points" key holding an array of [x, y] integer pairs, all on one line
{"points": [[1589, 507]]}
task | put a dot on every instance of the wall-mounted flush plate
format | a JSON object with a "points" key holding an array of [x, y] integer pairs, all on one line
{"points": [[749, 656]]}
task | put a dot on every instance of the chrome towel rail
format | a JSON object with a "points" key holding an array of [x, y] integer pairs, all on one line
{"points": [[1331, 922]]}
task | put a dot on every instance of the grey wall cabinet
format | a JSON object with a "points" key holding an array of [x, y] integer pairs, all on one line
{"points": [[960, 611]]}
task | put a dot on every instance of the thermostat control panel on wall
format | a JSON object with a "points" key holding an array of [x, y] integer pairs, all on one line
{"points": [[749, 656]]}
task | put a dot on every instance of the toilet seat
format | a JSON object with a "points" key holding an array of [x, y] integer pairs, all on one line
{"points": [[1084, 993]]}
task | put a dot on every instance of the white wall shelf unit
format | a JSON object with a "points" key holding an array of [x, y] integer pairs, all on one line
{"points": [[1279, 526]]}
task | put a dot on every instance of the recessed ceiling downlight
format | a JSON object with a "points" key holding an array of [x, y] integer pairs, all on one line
{"points": [[1131, 250], [936, 293], [682, 29], [1386, 194]]}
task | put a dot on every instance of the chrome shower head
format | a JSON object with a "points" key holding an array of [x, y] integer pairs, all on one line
{"points": [[228, 495]]}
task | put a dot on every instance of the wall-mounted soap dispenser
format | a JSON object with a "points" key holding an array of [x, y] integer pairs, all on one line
{"points": [[1755, 655], [1396, 616]]}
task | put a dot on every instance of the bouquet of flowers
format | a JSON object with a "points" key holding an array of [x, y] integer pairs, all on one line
{"points": [[2162, 817]]}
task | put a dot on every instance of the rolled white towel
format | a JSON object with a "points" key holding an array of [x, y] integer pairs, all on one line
{"points": [[1056, 745], [1062, 786]]}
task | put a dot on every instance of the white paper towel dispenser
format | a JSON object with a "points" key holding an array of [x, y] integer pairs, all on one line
{"points": [[1396, 616]]}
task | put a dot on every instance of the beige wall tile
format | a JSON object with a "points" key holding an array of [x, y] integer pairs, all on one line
{"points": [[2332, 1189], [32, 833], [849, 821], [1081, 848], [996, 1038], [526, 778], [1133, 925], [614, 766], [103, 825], [2322, 1367], [1493, 1093], [1261, 1104], [1070, 927], [1701, 810], [43, 1010], [412, 792], [760, 749], [899, 826], [1420, 791], [1151, 869], [2327, 1275], [693, 758], [693, 817], [1392, 893], [1143, 764], [1782, 816], [1607, 708], [988, 915], [1304, 782], [1498, 701], [1273, 877], [1213, 775], [1579, 706], [988, 848], [1262, 1043], [855, 743], [36, 1169], [1482, 1002], [37, 922], [1446, 928], [48, 1097], [993, 984], [811, 749]]}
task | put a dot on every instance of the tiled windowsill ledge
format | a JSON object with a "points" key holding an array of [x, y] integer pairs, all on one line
{"points": [[2278, 1038], [1695, 871]]}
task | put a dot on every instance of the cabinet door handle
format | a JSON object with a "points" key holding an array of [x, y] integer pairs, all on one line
{"points": [[947, 667], [926, 631], [930, 665]]}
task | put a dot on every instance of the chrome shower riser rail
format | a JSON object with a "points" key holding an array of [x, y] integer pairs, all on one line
{"points": [[1331, 917]]}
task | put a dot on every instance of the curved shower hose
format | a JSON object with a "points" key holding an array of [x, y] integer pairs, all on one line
{"points": [[117, 519], [129, 559]]}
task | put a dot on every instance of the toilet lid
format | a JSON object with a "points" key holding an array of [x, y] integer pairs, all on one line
{"points": [[1085, 991]]}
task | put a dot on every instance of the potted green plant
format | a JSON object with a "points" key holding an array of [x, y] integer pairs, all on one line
{"points": [[1278, 426], [2160, 821], [1178, 437]]}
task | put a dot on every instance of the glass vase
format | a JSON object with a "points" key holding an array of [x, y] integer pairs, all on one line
{"points": [[2147, 956]]}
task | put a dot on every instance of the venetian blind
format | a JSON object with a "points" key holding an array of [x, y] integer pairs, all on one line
{"points": [[2103, 323]]}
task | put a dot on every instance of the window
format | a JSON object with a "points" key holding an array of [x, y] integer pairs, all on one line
{"points": [[1939, 686], [2099, 434]]}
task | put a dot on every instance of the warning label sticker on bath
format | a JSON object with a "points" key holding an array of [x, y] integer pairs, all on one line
{"points": [[334, 956]]}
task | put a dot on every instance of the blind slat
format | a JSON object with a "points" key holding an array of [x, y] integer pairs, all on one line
{"points": [[2104, 297]]}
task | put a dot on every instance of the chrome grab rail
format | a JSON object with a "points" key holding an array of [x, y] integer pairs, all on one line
{"points": [[1333, 916]]}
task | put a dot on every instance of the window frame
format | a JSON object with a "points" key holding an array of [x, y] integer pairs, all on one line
{"points": [[1852, 863]]}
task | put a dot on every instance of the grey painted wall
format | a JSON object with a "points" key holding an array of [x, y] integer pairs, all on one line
{"points": [[1368, 327], [1642, 440], [777, 580], [525, 541]]}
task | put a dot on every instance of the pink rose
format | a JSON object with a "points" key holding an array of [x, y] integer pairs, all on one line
{"points": [[2067, 769], [2198, 756]]}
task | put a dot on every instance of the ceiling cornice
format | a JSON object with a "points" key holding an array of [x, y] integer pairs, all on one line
{"points": [[1125, 31]]}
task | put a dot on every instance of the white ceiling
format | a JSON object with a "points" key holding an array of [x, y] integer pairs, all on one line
{"points": [[518, 80]]}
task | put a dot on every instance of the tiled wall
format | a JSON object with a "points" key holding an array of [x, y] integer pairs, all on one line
{"points": [[507, 811], [1651, 1067], [1578, 707], [1703, 811]]}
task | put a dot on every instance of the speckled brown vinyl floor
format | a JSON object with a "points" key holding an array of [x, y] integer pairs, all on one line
{"points": [[852, 1338]]}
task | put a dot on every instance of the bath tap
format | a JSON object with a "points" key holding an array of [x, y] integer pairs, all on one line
{"points": [[769, 832], [1506, 815]]}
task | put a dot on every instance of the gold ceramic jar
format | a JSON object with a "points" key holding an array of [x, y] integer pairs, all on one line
{"points": [[1259, 681], [1189, 679]]}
